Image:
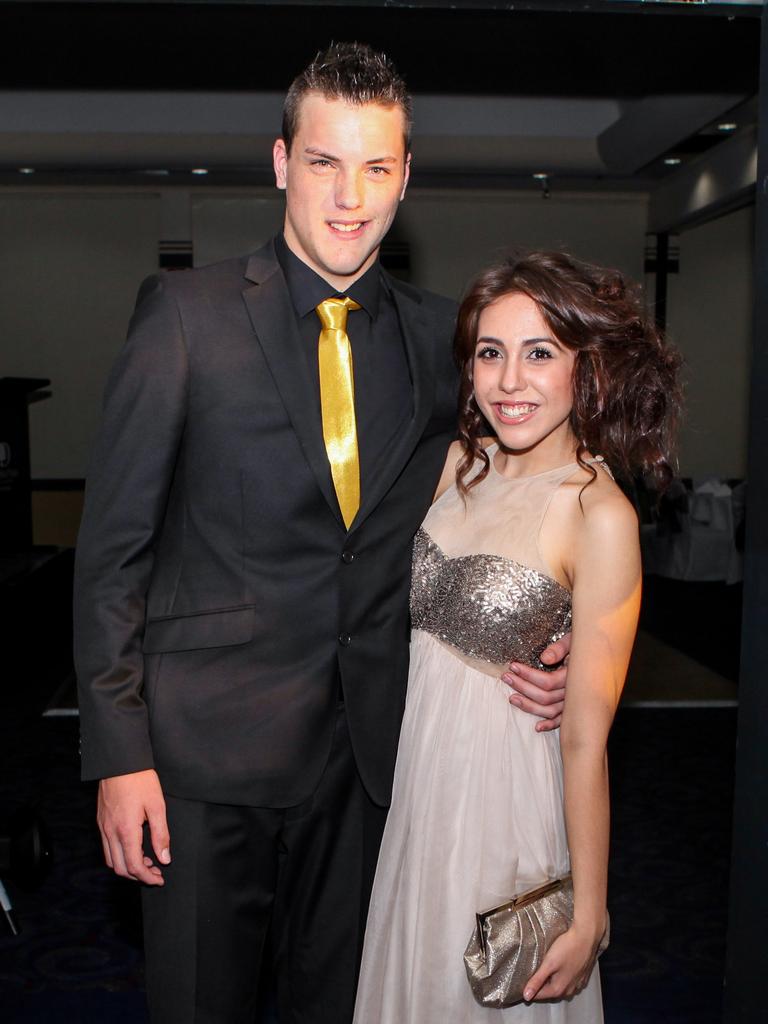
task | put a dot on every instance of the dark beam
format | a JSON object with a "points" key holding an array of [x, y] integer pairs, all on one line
{"points": [[662, 278], [746, 958]]}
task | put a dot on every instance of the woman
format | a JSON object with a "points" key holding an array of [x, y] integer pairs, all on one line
{"points": [[560, 360]]}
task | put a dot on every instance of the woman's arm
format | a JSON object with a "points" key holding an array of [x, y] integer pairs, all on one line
{"points": [[604, 566]]}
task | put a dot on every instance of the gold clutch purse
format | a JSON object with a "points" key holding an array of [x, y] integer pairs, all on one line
{"points": [[510, 941]]}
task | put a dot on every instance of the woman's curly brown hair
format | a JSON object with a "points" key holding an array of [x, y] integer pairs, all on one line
{"points": [[626, 391]]}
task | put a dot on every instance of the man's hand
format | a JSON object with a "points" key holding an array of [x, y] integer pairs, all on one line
{"points": [[125, 803], [539, 692]]}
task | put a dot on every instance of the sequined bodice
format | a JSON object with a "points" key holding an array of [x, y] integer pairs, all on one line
{"points": [[490, 606]]}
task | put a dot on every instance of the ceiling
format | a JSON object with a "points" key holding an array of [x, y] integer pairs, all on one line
{"points": [[609, 49], [594, 95]]}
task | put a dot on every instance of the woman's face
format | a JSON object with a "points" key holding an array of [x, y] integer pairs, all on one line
{"points": [[523, 376]]}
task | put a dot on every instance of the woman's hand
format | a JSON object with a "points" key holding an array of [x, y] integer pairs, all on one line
{"points": [[566, 967]]}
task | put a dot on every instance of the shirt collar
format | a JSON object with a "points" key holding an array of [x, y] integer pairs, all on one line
{"points": [[308, 289]]}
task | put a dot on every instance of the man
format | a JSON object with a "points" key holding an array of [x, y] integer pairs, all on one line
{"points": [[243, 570]]}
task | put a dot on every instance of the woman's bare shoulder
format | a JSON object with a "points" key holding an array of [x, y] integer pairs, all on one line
{"points": [[452, 459], [603, 500], [593, 501], [587, 509], [448, 475]]}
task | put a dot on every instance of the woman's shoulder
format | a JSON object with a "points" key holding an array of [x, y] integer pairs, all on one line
{"points": [[588, 516], [453, 457], [593, 507], [448, 475], [597, 507]]}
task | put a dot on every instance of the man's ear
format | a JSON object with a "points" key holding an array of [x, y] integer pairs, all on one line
{"points": [[406, 176], [280, 163]]}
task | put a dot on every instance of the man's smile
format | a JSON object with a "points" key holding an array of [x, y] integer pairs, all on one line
{"points": [[347, 227]]}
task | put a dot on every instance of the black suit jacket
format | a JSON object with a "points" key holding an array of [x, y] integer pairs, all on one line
{"points": [[218, 595]]}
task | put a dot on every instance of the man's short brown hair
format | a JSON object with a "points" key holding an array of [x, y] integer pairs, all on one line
{"points": [[352, 72]]}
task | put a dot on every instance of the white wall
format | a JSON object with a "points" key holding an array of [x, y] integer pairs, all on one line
{"points": [[710, 319], [70, 265], [452, 233], [227, 225]]}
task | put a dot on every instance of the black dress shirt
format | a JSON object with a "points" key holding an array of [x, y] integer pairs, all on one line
{"points": [[383, 391]]}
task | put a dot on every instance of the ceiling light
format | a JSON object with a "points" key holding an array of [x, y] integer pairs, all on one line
{"points": [[26, 170], [672, 161], [541, 176], [727, 126], [155, 170], [199, 170]]}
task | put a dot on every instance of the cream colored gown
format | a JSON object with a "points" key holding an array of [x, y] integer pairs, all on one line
{"points": [[477, 805]]}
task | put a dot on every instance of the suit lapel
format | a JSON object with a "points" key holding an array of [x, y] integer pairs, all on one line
{"points": [[418, 335], [274, 321]]}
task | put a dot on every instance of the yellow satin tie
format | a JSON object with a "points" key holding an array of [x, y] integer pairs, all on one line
{"points": [[337, 402]]}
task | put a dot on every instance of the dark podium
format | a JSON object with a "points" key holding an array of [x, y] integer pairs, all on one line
{"points": [[35, 613], [16, 395]]}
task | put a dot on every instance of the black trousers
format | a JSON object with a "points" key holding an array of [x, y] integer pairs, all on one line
{"points": [[303, 874]]}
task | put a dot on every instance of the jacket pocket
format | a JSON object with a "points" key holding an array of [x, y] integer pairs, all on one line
{"points": [[224, 627]]}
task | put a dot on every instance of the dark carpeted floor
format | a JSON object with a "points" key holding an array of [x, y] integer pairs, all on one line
{"points": [[672, 784], [79, 958]]}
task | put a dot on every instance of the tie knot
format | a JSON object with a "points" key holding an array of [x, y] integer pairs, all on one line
{"points": [[333, 313]]}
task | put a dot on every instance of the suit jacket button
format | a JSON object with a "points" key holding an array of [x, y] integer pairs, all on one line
{"points": [[345, 639], [347, 557]]}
